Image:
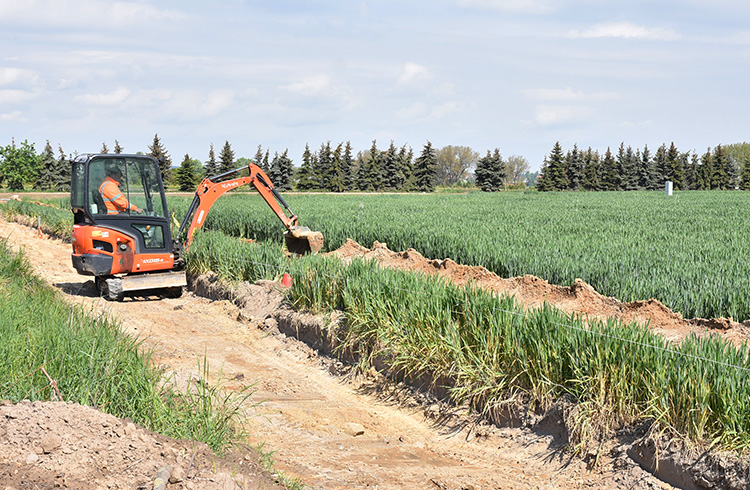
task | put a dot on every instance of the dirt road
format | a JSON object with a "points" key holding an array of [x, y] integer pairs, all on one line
{"points": [[331, 431]]}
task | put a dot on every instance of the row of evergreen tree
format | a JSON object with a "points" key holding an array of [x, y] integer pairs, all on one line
{"points": [[330, 168], [641, 170]]}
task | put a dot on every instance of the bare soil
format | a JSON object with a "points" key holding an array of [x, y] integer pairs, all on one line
{"points": [[332, 428]]}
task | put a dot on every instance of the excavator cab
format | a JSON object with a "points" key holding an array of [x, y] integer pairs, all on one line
{"points": [[121, 230]]}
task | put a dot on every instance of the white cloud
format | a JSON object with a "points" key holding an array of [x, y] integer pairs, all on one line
{"points": [[554, 115], [12, 116], [10, 76], [117, 96], [413, 72], [422, 112], [90, 14], [16, 96], [565, 94], [520, 6], [195, 105], [310, 85], [625, 30]]}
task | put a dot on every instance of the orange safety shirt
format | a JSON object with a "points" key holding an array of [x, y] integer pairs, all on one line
{"points": [[113, 198]]}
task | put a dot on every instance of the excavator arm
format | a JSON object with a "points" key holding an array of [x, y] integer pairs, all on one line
{"points": [[299, 239]]}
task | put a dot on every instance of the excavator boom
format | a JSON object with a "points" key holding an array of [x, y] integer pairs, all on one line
{"points": [[299, 239]]}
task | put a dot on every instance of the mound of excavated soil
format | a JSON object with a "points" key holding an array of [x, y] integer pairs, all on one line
{"points": [[65, 445], [532, 292]]}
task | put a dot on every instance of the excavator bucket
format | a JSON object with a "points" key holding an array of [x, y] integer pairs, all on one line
{"points": [[301, 240]]}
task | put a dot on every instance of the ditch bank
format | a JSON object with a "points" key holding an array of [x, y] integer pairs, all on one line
{"points": [[667, 458], [531, 292]]}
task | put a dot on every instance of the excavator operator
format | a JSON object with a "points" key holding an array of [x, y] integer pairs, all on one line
{"points": [[110, 192]]}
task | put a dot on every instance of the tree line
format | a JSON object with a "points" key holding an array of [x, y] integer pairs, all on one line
{"points": [[332, 168], [722, 167]]}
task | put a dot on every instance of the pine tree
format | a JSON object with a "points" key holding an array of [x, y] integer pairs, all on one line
{"points": [[393, 178], [555, 174], [675, 168], [226, 158], [118, 148], [491, 172], [264, 162], [541, 183], [425, 169], [609, 177], [280, 171], [46, 178], [575, 169], [627, 169], [405, 160], [645, 170], [61, 175], [347, 167], [306, 179], [104, 149], [705, 169], [745, 182], [691, 170], [591, 170], [186, 174], [369, 177], [337, 181], [211, 167], [719, 177], [258, 159], [325, 166], [661, 167], [286, 172], [158, 151], [274, 172]]}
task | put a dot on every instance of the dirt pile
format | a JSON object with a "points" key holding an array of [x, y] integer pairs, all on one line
{"points": [[531, 291], [65, 445]]}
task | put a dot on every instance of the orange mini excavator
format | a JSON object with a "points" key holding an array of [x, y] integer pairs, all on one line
{"points": [[121, 231]]}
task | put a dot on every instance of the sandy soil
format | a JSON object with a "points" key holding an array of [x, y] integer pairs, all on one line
{"points": [[331, 431]]}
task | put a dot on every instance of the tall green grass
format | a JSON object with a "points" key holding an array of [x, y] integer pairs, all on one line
{"points": [[55, 221], [488, 351], [688, 250], [94, 363]]}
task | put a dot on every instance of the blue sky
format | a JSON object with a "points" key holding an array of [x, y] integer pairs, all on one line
{"points": [[514, 74]]}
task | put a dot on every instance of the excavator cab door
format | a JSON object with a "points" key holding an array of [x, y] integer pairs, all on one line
{"points": [[139, 185]]}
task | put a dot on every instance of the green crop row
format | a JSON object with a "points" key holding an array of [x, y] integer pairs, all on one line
{"points": [[689, 250], [488, 351]]}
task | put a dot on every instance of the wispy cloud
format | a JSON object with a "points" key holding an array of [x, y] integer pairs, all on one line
{"points": [[625, 30], [117, 96], [310, 85], [566, 94], [413, 72], [11, 76], [10, 96], [73, 13], [518, 6], [550, 115]]}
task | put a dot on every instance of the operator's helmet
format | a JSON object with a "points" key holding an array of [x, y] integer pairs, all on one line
{"points": [[113, 171]]}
